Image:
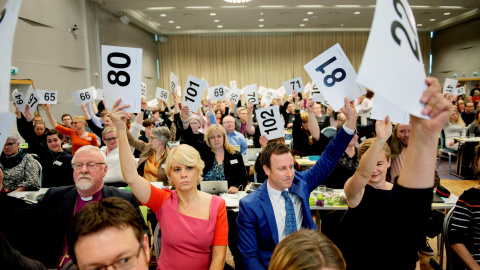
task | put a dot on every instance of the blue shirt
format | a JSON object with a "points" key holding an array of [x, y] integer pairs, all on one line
{"points": [[236, 138]]}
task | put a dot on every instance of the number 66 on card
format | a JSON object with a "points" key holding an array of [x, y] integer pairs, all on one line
{"points": [[270, 122], [121, 71]]}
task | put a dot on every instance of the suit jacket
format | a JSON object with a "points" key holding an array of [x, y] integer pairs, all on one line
{"points": [[257, 228], [41, 228]]}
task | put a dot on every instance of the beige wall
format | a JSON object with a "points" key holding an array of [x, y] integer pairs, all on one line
{"points": [[457, 50]]}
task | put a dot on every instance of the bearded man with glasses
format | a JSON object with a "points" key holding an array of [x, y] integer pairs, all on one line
{"points": [[47, 222]]}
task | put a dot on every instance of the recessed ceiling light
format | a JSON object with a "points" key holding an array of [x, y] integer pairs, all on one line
{"points": [[163, 15], [341, 24], [219, 26], [305, 19], [309, 13], [261, 20], [170, 21], [450, 7], [272, 6], [432, 20], [302, 25], [347, 6], [261, 13], [178, 27], [233, 6], [261, 25], [160, 8], [199, 7], [216, 20], [212, 14], [419, 24], [310, 6], [446, 13], [356, 12]]}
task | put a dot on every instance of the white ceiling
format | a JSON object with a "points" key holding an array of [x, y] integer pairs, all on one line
{"points": [[194, 16]]}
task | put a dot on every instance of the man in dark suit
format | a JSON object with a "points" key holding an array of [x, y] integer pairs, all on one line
{"points": [[281, 205], [39, 231]]}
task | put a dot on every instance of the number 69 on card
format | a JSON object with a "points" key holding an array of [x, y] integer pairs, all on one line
{"points": [[270, 122]]}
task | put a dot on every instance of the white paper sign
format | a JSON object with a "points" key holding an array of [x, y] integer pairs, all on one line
{"points": [[32, 99], [233, 95], [19, 100], [393, 55], [98, 94], [460, 91], [179, 90], [233, 84], [143, 89], [173, 82], [268, 97], [205, 84], [83, 96], [251, 94], [152, 102], [227, 90], [8, 119], [383, 107], [317, 96], [216, 92], [281, 91], [8, 22], [193, 93], [47, 97], [262, 90], [295, 84], [308, 87], [122, 73], [270, 122], [334, 76], [162, 94], [449, 86]]}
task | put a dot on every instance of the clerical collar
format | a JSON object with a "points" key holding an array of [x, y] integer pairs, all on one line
{"points": [[87, 199]]}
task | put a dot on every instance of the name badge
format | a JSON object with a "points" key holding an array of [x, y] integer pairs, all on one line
{"points": [[56, 162], [88, 139], [162, 166], [233, 161]]}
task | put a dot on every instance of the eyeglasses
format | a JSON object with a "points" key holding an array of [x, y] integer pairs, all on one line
{"points": [[121, 264], [9, 144], [90, 165], [110, 139]]}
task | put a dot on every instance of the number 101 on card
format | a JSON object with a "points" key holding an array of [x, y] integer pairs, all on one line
{"points": [[270, 122]]}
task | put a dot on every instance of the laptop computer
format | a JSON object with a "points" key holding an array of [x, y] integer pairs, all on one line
{"points": [[214, 187], [252, 154]]}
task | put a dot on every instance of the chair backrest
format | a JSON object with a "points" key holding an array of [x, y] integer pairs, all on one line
{"points": [[329, 132], [448, 249], [442, 138], [157, 236], [40, 172]]}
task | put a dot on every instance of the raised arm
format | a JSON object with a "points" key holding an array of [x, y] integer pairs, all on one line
{"points": [[85, 111], [140, 187], [419, 167], [355, 185], [312, 121], [250, 128], [185, 116], [50, 117], [95, 119]]}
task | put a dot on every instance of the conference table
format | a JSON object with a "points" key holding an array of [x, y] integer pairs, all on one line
{"points": [[465, 149]]}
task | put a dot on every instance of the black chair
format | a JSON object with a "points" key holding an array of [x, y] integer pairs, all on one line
{"points": [[443, 151], [329, 132]]}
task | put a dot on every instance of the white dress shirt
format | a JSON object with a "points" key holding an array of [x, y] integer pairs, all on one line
{"points": [[278, 204]]}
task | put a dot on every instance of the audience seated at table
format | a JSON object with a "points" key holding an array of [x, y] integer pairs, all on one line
{"points": [[193, 223], [151, 164], [77, 133], [453, 129], [389, 219], [18, 169], [307, 250], [114, 175], [474, 127]]}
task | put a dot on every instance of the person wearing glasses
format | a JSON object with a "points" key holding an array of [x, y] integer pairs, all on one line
{"points": [[20, 170], [107, 234], [114, 175], [151, 164], [193, 223], [47, 221], [78, 135]]}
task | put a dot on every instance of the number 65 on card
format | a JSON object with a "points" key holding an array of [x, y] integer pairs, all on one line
{"points": [[270, 122]]}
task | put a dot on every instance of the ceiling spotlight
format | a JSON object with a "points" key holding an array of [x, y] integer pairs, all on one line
{"points": [[419, 24], [302, 25], [432, 20], [170, 21], [216, 20], [306, 19], [341, 24], [446, 13], [261, 20], [309, 13], [219, 26], [237, 1], [212, 14], [163, 15], [178, 27], [261, 25], [356, 12], [261, 13]]}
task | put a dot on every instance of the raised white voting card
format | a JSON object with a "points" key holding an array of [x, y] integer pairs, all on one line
{"points": [[32, 99], [216, 92], [162, 94], [47, 97], [383, 107], [83, 96], [295, 84], [193, 93], [270, 122], [251, 94], [392, 64], [173, 82], [19, 100], [8, 22], [449, 86], [334, 76], [122, 73]]}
